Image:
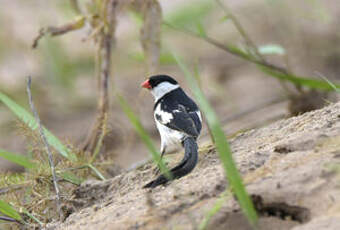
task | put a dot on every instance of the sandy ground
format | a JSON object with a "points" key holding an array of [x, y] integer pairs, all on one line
{"points": [[289, 167]]}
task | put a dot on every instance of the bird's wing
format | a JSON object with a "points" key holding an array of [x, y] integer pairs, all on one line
{"points": [[180, 120]]}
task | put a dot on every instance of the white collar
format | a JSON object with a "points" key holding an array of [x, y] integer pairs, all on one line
{"points": [[163, 88]]}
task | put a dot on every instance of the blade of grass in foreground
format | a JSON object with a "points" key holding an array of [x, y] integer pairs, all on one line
{"points": [[17, 159], [96, 171], [32, 217], [336, 88], [8, 210], [29, 120], [215, 209], [222, 147], [143, 135]]}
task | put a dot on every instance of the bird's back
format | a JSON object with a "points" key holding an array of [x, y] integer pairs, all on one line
{"points": [[172, 101]]}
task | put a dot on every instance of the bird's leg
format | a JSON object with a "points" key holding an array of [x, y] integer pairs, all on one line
{"points": [[158, 169], [162, 151]]}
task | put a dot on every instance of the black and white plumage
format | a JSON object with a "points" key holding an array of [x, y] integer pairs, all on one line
{"points": [[178, 121]]}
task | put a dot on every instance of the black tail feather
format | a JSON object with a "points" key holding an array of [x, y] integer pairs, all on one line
{"points": [[187, 164]]}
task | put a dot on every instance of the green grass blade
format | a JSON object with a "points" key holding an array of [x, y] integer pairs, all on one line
{"points": [[100, 141], [8, 210], [200, 29], [222, 147], [17, 159], [143, 135], [303, 81], [96, 171], [29, 120], [308, 82], [70, 177], [335, 88], [32, 217], [215, 209]]}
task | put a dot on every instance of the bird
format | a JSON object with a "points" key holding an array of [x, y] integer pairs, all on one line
{"points": [[179, 122]]}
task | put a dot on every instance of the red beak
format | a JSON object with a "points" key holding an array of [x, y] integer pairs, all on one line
{"points": [[146, 84]]}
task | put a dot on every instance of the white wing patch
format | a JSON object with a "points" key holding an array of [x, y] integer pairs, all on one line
{"points": [[199, 115], [165, 116]]}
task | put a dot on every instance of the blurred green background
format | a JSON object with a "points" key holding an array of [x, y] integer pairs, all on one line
{"points": [[62, 68]]}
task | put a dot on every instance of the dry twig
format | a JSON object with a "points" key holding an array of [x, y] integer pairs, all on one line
{"points": [[47, 147], [104, 49], [59, 30]]}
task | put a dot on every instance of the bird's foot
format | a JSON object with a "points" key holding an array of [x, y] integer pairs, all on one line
{"points": [[156, 170]]}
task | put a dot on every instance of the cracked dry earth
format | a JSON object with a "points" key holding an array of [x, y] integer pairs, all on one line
{"points": [[291, 169]]}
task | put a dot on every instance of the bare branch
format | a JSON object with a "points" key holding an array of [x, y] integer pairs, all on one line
{"points": [[59, 30], [47, 147]]}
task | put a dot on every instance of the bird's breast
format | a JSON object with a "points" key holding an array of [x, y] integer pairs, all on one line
{"points": [[169, 137]]}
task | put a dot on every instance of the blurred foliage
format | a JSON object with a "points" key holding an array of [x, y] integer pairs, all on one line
{"points": [[164, 59], [60, 68], [29, 120], [36, 182], [65, 8], [189, 14]]}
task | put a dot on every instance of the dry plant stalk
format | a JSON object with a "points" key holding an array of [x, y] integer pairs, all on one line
{"points": [[102, 17], [47, 147], [150, 40], [105, 40], [150, 34]]}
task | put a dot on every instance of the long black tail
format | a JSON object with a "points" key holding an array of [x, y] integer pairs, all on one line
{"points": [[187, 164]]}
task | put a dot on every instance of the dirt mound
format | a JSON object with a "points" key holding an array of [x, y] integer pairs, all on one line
{"points": [[290, 169]]}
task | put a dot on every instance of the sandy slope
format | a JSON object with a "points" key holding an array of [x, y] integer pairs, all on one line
{"points": [[289, 169]]}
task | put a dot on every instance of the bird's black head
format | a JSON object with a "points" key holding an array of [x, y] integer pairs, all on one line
{"points": [[155, 80]]}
